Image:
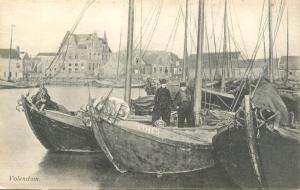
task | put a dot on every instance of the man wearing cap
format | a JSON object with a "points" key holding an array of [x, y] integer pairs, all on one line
{"points": [[162, 104], [184, 105]]}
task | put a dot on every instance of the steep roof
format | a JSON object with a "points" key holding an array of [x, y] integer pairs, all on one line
{"points": [[82, 38], [14, 54], [212, 58], [159, 57]]}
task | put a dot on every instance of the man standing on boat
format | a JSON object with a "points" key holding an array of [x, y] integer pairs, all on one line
{"points": [[162, 104], [184, 105]]}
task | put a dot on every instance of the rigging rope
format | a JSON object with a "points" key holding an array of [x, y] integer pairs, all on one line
{"points": [[68, 34], [154, 28], [175, 25]]}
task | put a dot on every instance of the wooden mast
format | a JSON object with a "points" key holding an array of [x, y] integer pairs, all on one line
{"points": [[271, 77], [225, 61], [117, 75], [10, 46], [198, 74], [127, 94], [185, 52], [264, 39], [287, 46]]}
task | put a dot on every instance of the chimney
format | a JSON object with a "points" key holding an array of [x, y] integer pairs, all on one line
{"points": [[104, 37]]}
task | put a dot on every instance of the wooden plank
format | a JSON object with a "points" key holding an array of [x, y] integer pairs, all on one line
{"points": [[251, 140], [64, 118], [218, 93]]}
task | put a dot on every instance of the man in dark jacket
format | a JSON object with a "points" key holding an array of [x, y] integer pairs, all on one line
{"points": [[162, 104], [184, 105]]}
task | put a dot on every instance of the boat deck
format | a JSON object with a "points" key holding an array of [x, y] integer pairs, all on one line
{"points": [[198, 135]]}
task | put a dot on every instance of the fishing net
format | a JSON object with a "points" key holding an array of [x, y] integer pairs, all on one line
{"points": [[111, 109]]}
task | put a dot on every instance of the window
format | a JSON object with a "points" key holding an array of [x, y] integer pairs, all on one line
{"points": [[64, 68], [16, 74], [76, 64], [291, 73], [166, 70], [76, 56], [82, 64], [4, 74], [70, 70], [54, 69], [160, 69], [70, 64], [175, 70], [76, 70], [154, 70]]}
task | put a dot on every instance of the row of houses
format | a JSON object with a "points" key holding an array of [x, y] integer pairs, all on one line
{"points": [[89, 56]]}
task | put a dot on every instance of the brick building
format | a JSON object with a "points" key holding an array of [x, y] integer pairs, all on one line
{"points": [[83, 55]]}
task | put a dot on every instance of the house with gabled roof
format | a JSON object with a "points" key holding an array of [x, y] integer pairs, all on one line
{"points": [[11, 64], [293, 68]]}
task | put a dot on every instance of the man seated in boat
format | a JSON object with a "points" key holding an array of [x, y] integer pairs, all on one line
{"points": [[184, 105], [42, 100], [162, 104]]}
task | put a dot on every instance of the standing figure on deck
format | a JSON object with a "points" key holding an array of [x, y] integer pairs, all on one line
{"points": [[184, 105], [162, 104]]}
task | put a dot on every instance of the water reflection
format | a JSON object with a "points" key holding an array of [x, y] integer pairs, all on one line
{"points": [[93, 169]]}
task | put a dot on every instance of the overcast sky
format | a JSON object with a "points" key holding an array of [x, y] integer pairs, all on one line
{"points": [[41, 24]]}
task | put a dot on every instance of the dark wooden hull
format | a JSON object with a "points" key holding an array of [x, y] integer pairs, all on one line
{"points": [[140, 150], [56, 135], [278, 152]]}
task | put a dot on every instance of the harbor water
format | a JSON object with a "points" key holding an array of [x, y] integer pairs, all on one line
{"points": [[25, 163]]}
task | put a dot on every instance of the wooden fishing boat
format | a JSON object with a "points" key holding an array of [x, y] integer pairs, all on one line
{"points": [[135, 145], [260, 154], [278, 152], [58, 131]]}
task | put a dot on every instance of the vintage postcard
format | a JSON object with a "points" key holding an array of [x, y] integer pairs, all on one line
{"points": [[149, 94]]}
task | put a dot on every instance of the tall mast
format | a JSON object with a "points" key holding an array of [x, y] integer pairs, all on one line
{"points": [[127, 94], [9, 55], [225, 61], [287, 45], [199, 60], [264, 39], [141, 34], [270, 43], [209, 53], [118, 66], [185, 52]]}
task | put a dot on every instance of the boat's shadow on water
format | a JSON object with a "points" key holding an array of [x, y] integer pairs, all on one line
{"points": [[93, 169]]}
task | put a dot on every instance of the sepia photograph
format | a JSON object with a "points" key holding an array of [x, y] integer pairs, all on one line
{"points": [[150, 94]]}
